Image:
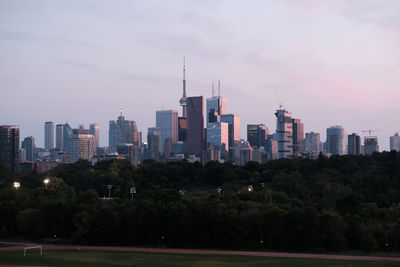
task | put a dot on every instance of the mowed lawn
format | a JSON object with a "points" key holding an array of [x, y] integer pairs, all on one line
{"points": [[100, 258]]}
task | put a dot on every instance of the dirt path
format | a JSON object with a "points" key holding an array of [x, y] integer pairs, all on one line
{"points": [[213, 252]]}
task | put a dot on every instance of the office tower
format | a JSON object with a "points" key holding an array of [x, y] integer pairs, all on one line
{"points": [[312, 145], [153, 143], [298, 137], [218, 137], [284, 133], [271, 147], [9, 147], [242, 152], [167, 124], [67, 133], [29, 145], [371, 145], [257, 135], [183, 100], [215, 105], [182, 131], [49, 135], [395, 142], [122, 131], [233, 121], [82, 145], [22, 154], [60, 136], [94, 130], [336, 141], [353, 144], [194, 144]]}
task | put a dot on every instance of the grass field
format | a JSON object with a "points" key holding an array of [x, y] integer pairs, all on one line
{"points": [[96, 258]]}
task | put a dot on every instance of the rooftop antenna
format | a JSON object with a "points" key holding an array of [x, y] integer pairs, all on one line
{"points": [[219, 88], [212, 87], [120, 111], [280, 102]]}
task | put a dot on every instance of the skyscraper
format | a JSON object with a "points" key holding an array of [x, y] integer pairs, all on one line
{"points": [[312, 145], [94, 130], [9, 147], [218, 136], [215, 104], [122, 131], [353, 144], [60, 136], [257, 135], [167, 124], [284, 133], [371, 145], [194, 143], [233, 121], [336, 141], [29, 145], [153, 143], [49, 135], [82, 145], [67, 133], [395, 142], [298, 137]]}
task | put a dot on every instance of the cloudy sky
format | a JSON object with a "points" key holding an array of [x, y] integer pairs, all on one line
{"points": [[329, 62]]}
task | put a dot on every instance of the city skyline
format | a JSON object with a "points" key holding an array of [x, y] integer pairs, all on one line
{"points": [[330, 63]]}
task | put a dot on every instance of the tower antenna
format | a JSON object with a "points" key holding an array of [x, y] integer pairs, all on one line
{"points": [[212, 87], [184, 77], [219, 88], [120, 111]]}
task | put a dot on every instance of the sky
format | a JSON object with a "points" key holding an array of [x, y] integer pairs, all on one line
{"points": [[333, 62]]}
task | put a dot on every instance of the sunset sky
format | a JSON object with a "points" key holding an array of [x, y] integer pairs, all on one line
{"points": [[330, 62]]}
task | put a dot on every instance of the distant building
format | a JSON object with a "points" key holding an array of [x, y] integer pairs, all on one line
{"points": [[153, 143], [122, 131], [218, 137], [167, 124], [130, 152], [194, 144], [371, 145], [243, 152], [9, 147], [82, 145], [336, 141], [298, 137], [22, 154], [95, 131], [182, 129], [284, 133], [395, 142], [49, 135], [257, 135], [215, 104], [29, 145], [67, 133], [353, 144], [233, 121], [60, 136], [271, 148], [312, 145]]}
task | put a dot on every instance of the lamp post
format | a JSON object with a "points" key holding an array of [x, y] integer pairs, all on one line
{"points": [[46, 181], [109, 190], [250, 188], [133, 191], [16, 185]]}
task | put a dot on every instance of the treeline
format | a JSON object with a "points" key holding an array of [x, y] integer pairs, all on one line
{"points": [[328, 204]]}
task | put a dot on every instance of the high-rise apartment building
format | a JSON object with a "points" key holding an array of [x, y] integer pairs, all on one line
{"points": [[60, 136], [298, 137], [49, 135], [371, 145], [312, 145], [29, 145], [94, 130], [284, 133], [167, 124], [194, 144], [9, 147], [82, 145], [395, 142], [257, 135], [336, 141], [353, 144], [122, 131]]}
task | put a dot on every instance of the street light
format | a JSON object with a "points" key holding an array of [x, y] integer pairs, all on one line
{"points": [[16, 185], [250, 188], [109, 190], [46, 181], [133, 191]]}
